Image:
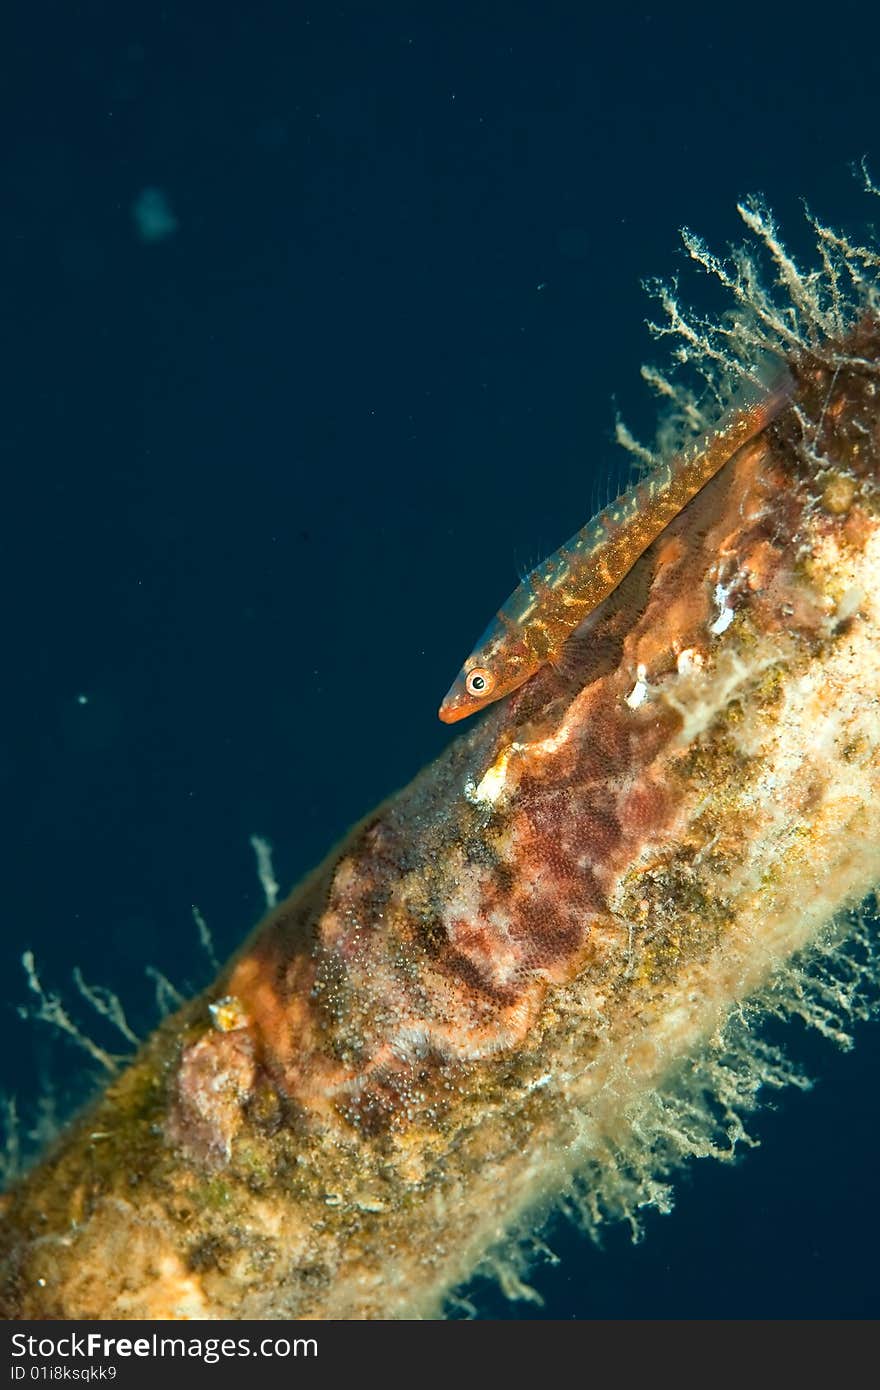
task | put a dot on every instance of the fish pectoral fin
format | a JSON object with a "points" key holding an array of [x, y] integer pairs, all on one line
{"points": [[573, 659], [576, 648], [592, 649]]}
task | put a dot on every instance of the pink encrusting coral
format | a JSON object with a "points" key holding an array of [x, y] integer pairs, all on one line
{"points": [[522, 978]]}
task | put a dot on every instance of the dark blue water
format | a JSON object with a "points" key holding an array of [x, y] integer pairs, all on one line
{"points": [[313, 320]]}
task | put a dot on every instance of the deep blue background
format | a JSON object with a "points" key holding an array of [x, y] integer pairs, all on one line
{"points": [[264, 480]]}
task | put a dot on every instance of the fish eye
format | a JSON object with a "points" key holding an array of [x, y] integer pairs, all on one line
{"points": [[478, 681]]}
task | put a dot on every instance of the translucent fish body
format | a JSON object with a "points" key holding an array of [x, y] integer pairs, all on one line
{"points": [[534, 624]]}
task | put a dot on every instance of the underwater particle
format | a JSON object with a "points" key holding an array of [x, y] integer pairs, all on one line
{"points": [[153, 217]]}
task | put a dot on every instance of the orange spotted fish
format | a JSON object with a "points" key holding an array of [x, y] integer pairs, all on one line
{"points": [[555, 598]]}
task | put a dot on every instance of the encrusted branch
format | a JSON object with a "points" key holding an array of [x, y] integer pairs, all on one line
{"points": [[536, 975]]}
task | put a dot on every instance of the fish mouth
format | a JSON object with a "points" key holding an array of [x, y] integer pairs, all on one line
{"points": [[456, 705], [451, 712]]}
